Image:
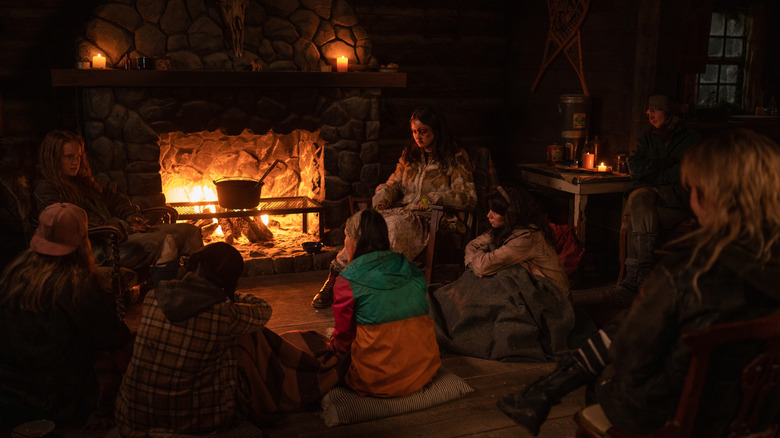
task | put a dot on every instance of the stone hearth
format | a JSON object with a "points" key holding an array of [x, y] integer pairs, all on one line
{"points": [[122, 124]]}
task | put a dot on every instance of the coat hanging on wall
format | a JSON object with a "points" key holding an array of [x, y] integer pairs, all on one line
{"points": [[566, 17]]}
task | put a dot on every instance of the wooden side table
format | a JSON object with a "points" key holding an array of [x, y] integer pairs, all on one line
{"points": [[580, 183]]}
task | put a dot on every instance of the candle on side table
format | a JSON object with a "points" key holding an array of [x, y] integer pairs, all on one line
{"points": [[342, 64], [98, 61], [602, 168], [588, 161]]}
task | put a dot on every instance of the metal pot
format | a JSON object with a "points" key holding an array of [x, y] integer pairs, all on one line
{"points": [[238, 192]]}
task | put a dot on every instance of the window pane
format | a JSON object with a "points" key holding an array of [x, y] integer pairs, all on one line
{"points": [[728, 73], [728, 93], [735, 25], [715, 48], [733, 47], [710, 75], [708, 96], [717, 25]]}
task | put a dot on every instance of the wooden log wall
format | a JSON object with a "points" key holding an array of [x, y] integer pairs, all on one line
{"points": [[473, 61], [455, 56]]}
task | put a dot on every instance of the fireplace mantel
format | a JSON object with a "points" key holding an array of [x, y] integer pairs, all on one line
{"points": [[243, 79]]}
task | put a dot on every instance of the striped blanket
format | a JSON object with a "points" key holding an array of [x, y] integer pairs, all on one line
{"points": [[289, 371]]}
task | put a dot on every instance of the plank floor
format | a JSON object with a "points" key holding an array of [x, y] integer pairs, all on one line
{"points": [[474, 415]]}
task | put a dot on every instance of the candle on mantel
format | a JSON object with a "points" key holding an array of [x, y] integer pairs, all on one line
{"points": [[98, 61], [602, 168], [342, 64]]}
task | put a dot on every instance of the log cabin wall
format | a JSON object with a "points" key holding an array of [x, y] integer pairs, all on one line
{"points": [[474, 61]]}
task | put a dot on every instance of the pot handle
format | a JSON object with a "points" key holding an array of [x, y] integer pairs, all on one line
{"points": [[260, 182]]}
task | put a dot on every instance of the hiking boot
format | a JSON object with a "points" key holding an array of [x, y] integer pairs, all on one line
{"points": [[324, 297]]}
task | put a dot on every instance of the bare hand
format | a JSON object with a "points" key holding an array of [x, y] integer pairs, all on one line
{"points": [[139, 225]]}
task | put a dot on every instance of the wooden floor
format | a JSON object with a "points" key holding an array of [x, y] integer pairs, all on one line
{"points": [[475, 415]]}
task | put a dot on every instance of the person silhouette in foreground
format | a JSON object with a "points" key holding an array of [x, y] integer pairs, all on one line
{"points": [[725, 270]]}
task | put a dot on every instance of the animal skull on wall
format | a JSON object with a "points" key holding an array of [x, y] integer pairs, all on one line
{"points": [[233, 14]]}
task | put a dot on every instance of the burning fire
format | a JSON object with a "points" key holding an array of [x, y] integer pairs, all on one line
{"points": [[194, 193], [191, 162]]}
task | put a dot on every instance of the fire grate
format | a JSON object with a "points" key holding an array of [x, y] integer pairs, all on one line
{"points": [[269, 206]]}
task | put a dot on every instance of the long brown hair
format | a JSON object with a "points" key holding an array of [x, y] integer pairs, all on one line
{"points": [[34, 281], [445, 146], [76, 189], [737, 180]]}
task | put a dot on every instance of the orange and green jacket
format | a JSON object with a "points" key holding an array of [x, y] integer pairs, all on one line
{"points": [[381, 317]]}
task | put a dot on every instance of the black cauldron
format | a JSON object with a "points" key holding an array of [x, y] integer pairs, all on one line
{"points": [[238, 192]]}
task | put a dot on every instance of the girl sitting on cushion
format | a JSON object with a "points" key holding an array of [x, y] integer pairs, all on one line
{"points": [[381, 314]]}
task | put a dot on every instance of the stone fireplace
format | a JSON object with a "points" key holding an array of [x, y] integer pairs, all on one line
{"points": [[218, 94]]}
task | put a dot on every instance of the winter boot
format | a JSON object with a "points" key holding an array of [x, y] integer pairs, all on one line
{"points": [[645, 255], [531, 407], [324, 297]]}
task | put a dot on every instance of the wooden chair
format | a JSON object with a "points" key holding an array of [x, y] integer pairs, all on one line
{"points": [[759, 381], [429, 255], [452, 252]]}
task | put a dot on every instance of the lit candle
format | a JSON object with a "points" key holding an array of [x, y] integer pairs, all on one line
{"points": [[587, 161], [342, 64], [98, 61], [602, 167]]}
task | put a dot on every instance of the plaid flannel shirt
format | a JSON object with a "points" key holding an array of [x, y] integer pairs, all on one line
{"points": [[183, 376]]}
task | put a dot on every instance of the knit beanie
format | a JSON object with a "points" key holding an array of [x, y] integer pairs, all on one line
{"points": [[220, 264], [659, 102]]}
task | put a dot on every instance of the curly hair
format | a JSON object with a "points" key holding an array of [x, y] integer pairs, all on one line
{"points": [[521, 211], [444, 144], [74, 190], [735, 176]]}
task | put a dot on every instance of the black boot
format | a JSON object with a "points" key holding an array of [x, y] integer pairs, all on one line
{"points": [[645, 254], [530, 407], [324, 297]]}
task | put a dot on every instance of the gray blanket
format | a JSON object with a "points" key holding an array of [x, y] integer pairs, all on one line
{"points": [[512, 316]]}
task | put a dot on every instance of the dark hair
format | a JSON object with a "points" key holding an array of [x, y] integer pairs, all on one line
{"points": [[372, 233], [522, 211], [220, 264], [444, 144]]}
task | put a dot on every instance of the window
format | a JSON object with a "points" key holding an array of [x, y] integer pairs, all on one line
{"points": [[722, 80]]}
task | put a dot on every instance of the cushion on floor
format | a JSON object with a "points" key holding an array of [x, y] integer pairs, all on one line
{"points": [[341, 405]]}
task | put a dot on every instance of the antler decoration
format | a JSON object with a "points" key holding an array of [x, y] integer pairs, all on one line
{"points": [[566, 17], [233, 14]]}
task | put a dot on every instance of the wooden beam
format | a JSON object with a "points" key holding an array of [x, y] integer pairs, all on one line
{"points": [[240, 79]]}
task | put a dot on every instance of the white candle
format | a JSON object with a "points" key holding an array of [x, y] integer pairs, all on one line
{"points": [[342, 64], [602, 167], [98, 61]]}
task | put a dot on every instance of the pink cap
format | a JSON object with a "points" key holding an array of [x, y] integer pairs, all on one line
{"points": [[62, 228]]}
